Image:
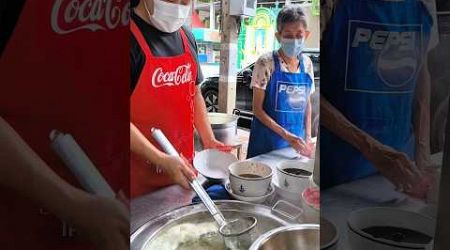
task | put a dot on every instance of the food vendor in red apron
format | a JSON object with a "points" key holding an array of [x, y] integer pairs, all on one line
{"points": [[63, 69], [164, 96]]}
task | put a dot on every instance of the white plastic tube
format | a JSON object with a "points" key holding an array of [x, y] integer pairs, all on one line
{"points": [[79, 164], [158, 135]]}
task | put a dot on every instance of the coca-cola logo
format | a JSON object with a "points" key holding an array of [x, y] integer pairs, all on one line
{"points": [[73, 15], [181, 75]]}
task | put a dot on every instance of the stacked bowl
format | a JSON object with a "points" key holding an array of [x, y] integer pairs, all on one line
{"points": [[250, 181]]}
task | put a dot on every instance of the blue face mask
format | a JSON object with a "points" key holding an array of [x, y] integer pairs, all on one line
{"points": [[292, 47]]}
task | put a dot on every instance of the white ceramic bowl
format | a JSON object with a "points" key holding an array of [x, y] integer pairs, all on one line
{"points": [[213, 164], [250, 187], [291, 182], [260, 199], [386, 217]]}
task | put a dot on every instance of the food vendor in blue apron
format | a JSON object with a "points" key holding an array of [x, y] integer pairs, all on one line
{"points": [[282, 83], [375, 91]]}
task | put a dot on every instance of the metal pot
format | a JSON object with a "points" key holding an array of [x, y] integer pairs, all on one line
{"points": [[197, 213], [302, 236], [224, 127]]}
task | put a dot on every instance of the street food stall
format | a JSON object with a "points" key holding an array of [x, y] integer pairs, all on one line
{"points": [[171, 208]]}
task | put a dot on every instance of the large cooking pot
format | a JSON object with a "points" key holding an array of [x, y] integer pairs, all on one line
{"points": [[143, 237], [303, 236], [224, 127]]}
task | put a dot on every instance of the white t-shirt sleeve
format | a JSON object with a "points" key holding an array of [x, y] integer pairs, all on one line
{"points": [[262, 71]]}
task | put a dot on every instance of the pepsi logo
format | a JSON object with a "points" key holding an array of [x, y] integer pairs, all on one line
{"points": [[296, 95], [382, 39]]}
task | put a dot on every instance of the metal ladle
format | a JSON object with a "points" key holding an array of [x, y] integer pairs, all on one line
{"points": [[234, 231]]}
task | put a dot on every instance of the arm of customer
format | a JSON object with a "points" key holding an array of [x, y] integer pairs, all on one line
{"points": [[203, 125], [177, 168], [105, 221], [392, 164], [422, 132]]}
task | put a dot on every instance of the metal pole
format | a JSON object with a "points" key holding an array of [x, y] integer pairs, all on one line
{"points": [[212, 16], [228, 60]]}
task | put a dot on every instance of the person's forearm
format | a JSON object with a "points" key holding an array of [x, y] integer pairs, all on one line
{"points": [[308, 116], [262, 116], [201, 121], [21, 169], [422, 117], [142, 147], [337, 123]]}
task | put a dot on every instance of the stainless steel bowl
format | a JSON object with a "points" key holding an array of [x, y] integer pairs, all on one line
{"points": [[292, 237], [196, 213]]}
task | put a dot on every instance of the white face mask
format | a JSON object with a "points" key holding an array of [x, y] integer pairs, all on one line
{"points": [[167, 17]]}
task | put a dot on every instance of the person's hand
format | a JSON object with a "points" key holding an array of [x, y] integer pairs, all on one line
{"points": [[298, 144], [311, 147], [215, 144], [105, 221], [427, 187], [396, 167], [178, 169], [309, 151]]}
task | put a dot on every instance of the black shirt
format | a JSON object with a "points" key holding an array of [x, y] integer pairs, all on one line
{"points": [[9, 14], [161, 44]]}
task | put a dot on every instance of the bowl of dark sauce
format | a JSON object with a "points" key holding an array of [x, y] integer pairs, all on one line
{"points": [[389, 228], [293, 175]]}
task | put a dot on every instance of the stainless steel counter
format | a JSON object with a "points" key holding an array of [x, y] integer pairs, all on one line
{"points": [[148, 206], [374, 191], [166, 199]]}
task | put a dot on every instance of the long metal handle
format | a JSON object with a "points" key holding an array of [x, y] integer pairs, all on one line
{"points": [[159, 137], [209, 204]]}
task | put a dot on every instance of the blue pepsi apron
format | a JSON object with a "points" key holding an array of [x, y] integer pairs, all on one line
{"points": [[286, 99], [372, 54]]}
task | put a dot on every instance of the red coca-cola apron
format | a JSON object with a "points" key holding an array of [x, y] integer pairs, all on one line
{"points": [[65, 67], [163, 98]]}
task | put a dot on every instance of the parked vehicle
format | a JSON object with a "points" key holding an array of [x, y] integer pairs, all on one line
{"points": [[244, 94]]}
